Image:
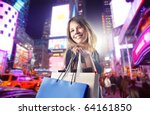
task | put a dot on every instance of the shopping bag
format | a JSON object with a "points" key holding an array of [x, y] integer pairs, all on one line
{"points": [[90, 78], [59, 88], [87, 78], [55, 88]]}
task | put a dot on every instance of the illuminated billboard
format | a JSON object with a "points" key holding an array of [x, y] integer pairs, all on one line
{"points": [[119, 10], [56, 62], [54, 44], [59, 20], [21, 57], [143, 23], [142, 47], [3, 60]]}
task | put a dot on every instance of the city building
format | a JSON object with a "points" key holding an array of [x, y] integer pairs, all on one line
{"points": [[8, 22], [41, 54], [134, 36], [107, 27], [46, 29], [22, 41], [22, 6]]}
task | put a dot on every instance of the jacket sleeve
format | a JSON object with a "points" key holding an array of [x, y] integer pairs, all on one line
{"points": [[96, 59], [68, 57]]}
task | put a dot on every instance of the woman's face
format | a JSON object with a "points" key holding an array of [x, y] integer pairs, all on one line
{"points": [[77, 33]]}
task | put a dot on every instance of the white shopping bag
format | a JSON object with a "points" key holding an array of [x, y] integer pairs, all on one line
{"points": [[92, 79]]}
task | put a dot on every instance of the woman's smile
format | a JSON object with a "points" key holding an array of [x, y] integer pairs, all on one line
{"points": [[77, 32], [78, 36]]}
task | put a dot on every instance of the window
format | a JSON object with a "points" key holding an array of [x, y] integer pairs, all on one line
{"points": [[5, 25], [9, 8], [9, 20], [4, 77], [9, 35], [14, 78], [1, 31], [1, 17], [6, 12], [1, 5]]}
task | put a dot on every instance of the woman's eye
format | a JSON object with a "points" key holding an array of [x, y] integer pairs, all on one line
{"points": [[72, 31]]}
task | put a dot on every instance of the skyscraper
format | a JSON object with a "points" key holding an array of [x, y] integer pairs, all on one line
{"points": [[21, 39], [22, 6], [107, 25]]}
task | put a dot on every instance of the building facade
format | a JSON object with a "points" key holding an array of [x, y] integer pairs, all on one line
{"points": [[22, 41], [41, 53]]}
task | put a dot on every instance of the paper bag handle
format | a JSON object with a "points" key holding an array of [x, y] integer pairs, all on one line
{"points": [[67, 69], [79, 66]]}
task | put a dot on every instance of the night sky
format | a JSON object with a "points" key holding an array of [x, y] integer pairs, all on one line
{"points": [[41, 9]]}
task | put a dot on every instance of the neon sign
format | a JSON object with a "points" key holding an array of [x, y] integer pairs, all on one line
{"points": [[141, 45]]}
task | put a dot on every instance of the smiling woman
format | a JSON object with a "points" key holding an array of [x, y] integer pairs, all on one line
{"points": [[81, 39]]}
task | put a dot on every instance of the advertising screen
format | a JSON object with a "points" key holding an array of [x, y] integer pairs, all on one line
{"points": [[59, 20], [120, 10], [60, 43], [3, 59], [21, 57], [142, 46], [56, 63], [143, 23]]}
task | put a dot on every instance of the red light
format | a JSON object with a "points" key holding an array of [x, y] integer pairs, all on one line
{"points": [[9, 84]]}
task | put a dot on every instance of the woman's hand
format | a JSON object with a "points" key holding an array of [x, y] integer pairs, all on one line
{"points": [[80, 49], [76, 50], [85, 53]]}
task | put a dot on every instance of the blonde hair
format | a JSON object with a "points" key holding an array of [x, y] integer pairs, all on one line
{"points": [[90, 34]]}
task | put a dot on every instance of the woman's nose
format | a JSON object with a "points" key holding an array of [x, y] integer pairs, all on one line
{"points": [[76, 30]]}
